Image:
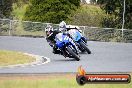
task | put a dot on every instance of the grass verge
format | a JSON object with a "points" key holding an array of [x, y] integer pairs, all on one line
{"points": [[51, 81], [13, 57]]}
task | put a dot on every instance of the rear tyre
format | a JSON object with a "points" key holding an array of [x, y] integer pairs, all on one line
{"points": [[73, 53], [85, 47]]}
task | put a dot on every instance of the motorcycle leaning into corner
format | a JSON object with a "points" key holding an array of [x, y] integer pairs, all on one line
{"points": [[79, 39], [66, 45]]}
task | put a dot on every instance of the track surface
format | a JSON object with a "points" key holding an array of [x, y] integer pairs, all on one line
{"points": [[105, 57]]}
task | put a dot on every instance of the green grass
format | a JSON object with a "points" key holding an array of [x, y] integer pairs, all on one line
{"points": [[91, 9], [19, 10], [54, 82], [19, 30], [12, 57]]}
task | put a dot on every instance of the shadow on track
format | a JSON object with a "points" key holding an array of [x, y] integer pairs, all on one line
{"points": [[82, 53], [66, 59]]}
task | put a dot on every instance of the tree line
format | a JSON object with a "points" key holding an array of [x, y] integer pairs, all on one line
{"points": [[54, 11], [114, 9]]}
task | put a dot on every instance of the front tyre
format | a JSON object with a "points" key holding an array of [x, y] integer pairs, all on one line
{"points": [[85, 47], [73, 53]]}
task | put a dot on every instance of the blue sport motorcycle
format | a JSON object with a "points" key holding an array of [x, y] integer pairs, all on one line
{"points": [[66, 45], [80, 40]]}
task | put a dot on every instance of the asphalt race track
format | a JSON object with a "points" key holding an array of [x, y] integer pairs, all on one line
{"points": [[105, 57]]}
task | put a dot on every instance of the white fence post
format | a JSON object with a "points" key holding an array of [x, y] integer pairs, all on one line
{"points": [[10, 27], [123, 18]]}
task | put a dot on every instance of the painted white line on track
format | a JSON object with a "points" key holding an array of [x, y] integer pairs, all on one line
{"points": [[40, 60]]}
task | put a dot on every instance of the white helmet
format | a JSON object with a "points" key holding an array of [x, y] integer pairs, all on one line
{"points": [[49, 28], [62, 26]]}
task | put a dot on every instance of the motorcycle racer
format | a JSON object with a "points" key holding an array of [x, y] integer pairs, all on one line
{"points": [[50, 37]]}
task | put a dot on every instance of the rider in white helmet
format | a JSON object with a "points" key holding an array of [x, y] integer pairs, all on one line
{"points": [[62, 27]]}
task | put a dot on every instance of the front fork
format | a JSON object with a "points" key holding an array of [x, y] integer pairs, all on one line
{"points": [[78, 44], [73, 43], [84, 40]]}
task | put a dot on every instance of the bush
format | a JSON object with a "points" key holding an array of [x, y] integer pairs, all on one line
{"points": [[50, 11], [87, 15]]}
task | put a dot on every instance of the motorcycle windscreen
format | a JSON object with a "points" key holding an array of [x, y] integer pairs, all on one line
{"points": [[59, 37], [76, 35], [59, 40]]}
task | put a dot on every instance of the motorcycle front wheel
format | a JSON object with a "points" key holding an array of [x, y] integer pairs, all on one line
{"points": [[73, 53], [85, 47]]}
